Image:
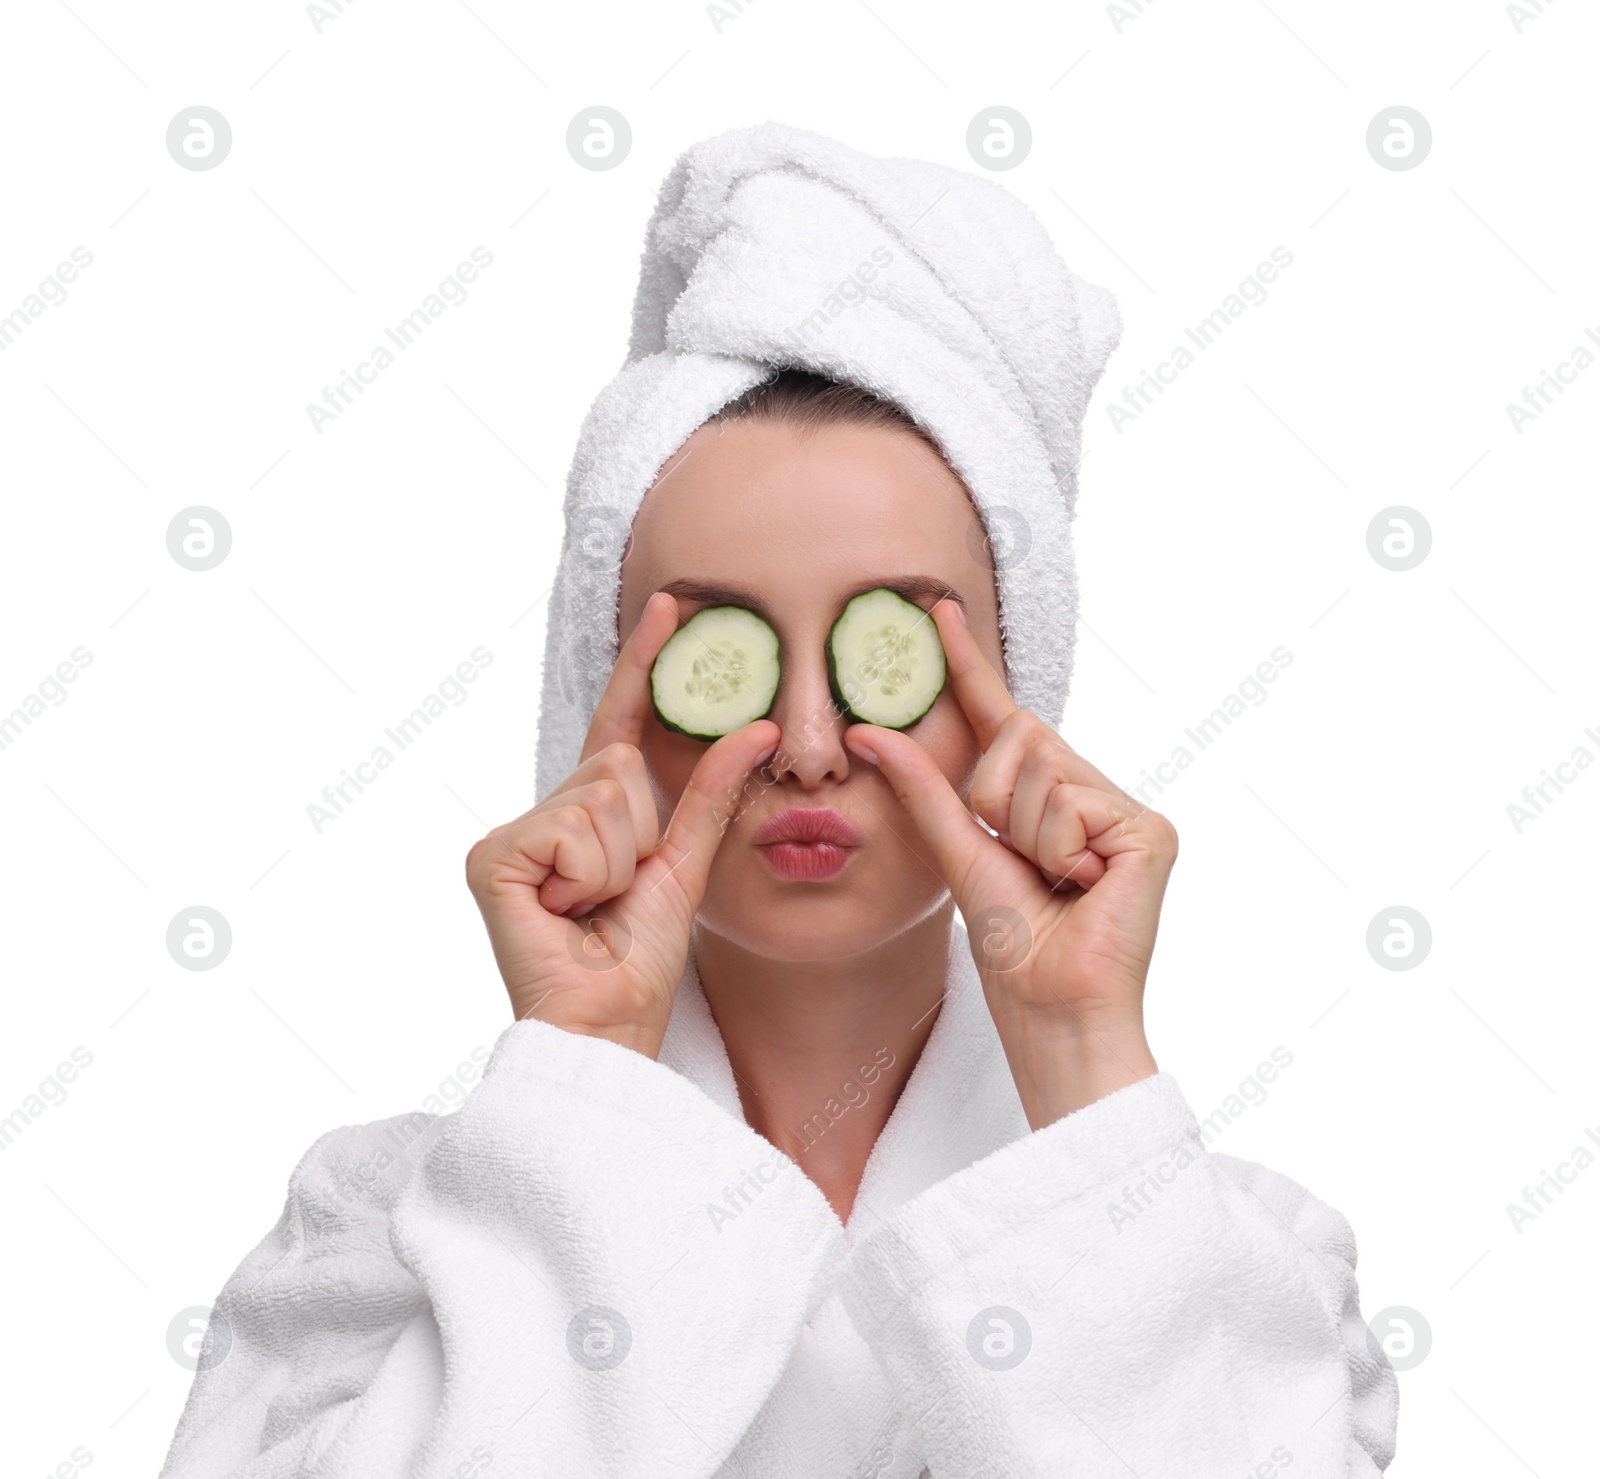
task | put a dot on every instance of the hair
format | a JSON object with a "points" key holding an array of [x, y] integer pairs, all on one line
{"points": [[807, 400]]}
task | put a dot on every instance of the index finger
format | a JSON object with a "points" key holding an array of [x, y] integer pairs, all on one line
{"points": [[710, 801], [987, 702], [981, 692], [625, 705]]}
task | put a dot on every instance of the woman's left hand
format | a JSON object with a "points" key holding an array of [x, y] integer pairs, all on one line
{"points": [[1061, 908]]}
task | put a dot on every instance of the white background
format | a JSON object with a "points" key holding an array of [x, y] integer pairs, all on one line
{"points": [[1171, 152]]}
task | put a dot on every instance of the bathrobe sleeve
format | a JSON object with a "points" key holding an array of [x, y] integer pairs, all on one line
{"points": [[1105, 1296], [564, 1276]]}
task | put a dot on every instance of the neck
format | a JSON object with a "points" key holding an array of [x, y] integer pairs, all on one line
{"points": [[821, 1049]]}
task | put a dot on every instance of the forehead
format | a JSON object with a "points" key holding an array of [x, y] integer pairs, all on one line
{"points": [[765, 502]]}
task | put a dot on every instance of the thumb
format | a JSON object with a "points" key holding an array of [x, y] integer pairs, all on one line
{"points": [[954, 835], [710, 801]]}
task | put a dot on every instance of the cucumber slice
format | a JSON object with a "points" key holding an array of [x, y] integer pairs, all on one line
{"points": [[716, 673], [885, 660]]}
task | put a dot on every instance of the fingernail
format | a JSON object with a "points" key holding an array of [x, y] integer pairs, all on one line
{"points": [[767, 753], [864, 751], [961, 611]]}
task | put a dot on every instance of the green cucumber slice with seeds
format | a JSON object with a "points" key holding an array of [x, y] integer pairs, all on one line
{"points": [[716, 673], [885, 660]]}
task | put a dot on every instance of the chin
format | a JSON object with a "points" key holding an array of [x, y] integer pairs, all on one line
{"points": [[815, 929], [807, 923]]}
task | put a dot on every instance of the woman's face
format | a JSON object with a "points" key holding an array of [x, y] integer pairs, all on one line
{"points": [[757, 513]]}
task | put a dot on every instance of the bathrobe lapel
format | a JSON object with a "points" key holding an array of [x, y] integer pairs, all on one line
{"points": [[959, 1105]]}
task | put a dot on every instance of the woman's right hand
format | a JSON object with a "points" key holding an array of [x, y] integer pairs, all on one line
{"points": [[588, 912]]}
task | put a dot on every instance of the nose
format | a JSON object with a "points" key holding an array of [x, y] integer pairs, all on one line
{"points": [[811, 750]]}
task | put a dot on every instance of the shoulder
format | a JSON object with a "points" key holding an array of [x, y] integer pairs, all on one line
{"points": [[1321, 1239], [334, 1233], [352, 1177], [1320, 1229]]}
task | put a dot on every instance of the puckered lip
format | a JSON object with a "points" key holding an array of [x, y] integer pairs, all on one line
{"points": [[809, 824]]}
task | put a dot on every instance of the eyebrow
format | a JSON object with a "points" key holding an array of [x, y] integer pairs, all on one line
{"points": [[711, 593]]}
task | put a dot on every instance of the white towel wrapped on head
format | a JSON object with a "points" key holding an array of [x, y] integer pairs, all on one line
{"points": [[939, 289]]}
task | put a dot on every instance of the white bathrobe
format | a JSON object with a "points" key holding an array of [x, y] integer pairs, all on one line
{"points": [[596, 1267]]}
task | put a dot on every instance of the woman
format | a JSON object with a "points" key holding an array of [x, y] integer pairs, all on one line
{"points": [[827, 1140]]}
